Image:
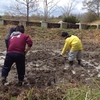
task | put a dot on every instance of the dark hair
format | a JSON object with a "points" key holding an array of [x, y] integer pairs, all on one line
{"points": [[20, 28], [12, 29], [65, 34]]}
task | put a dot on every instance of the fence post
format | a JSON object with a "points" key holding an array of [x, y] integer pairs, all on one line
{"points": [[44, 24], [97, 26], [1, 22], [80, 26], [61, 24]]}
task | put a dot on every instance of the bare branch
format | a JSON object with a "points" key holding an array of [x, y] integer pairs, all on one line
{"points": [[49, 8], [24, 7], [92, 6], [67, 9]]}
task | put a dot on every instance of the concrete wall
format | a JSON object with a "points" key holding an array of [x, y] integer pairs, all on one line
{"points": [[61, 24]]}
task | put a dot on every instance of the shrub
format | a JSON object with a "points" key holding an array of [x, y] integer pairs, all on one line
{"points": [[71, 19]]}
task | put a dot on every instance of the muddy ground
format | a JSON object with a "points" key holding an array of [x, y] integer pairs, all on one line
{"points": [[44, 66]]}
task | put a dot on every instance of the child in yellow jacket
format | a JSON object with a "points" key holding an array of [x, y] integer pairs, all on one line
{"points": [[74, 44]]}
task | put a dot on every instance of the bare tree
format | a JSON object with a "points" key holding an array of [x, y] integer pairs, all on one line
{"points": [[24, 8], [92, 6], [68, 8], [49, 7]]}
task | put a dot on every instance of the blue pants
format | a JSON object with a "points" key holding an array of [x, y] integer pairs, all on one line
{"points": [[19, 60]]}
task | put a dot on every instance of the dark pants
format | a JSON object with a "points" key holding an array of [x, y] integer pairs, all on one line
{"points": [[19, 60], [6, 42]]}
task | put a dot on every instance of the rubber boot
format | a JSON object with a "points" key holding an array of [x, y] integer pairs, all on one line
{"points": [[79, 63], [20, 83], [70, 63], [70, 67]]}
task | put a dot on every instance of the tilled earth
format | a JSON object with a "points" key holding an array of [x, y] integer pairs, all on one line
{"points": [[44, 67]]}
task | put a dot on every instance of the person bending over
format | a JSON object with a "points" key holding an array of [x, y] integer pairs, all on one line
{"points": [[19, 44], [74, 45]]}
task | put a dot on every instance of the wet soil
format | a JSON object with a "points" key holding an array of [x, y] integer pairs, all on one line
{"points": [[44, 67]]}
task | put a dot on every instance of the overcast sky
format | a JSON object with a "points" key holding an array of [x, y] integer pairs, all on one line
{"points": [[5, 3]]}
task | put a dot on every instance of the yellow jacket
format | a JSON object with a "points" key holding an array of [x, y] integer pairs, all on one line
{"points": [[73, 43]]}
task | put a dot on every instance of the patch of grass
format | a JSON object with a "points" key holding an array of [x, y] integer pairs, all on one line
{"points": [[13, 98], [63, 92], [38, 33]]}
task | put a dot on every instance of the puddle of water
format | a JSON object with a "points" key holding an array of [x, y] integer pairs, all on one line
{"points": [[98, 75], [57, 51], [98, 67]]}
